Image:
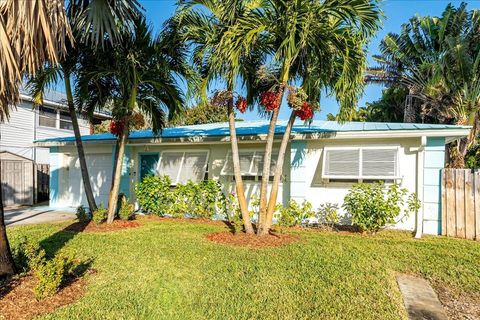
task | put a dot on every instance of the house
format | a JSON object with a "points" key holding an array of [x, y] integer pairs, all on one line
{"points": [[27, 124], [323, 161]]}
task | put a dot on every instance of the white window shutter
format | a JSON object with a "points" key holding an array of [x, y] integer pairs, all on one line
{"points": [[170, 164], [342, 162], [379, 162], [194, 167]]}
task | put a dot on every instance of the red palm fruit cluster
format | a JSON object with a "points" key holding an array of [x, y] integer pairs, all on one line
{"points": [[269, 100], [116, 127], [241, 104], [306, 112]]}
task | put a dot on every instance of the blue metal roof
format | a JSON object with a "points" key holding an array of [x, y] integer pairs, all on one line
{"points": [[251, 128]]}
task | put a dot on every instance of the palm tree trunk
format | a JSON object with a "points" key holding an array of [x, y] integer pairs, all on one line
{"points": [[112, 202], [278, 173], [7, 266], [239, 186], [267, 158], [78, 141]]}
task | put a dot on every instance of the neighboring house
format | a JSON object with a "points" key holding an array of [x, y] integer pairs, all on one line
{"points": [[27, 124], [322, 162]]}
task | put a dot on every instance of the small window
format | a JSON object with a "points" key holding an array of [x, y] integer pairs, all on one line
{"points": [[47, 117], [65, 121], [183, 166], [366, 163]]}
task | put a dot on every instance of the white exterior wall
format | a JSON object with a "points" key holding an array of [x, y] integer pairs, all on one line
{"points": [[318, 191], [302, 169], [18, 133]]}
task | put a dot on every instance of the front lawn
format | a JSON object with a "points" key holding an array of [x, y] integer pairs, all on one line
{"points": [[168, 270]]}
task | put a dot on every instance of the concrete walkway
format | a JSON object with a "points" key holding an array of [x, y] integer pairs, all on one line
{"points": [[420, 299], [37, 214]]}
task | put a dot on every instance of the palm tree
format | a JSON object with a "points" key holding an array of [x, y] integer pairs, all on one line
{"points": [[203, 24], [36, 32], [138, 73], [320, 43], [437, 60]]}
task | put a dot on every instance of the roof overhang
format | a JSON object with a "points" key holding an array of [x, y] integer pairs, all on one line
{"points": [[449, 134]]}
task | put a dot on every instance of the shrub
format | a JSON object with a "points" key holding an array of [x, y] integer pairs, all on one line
{"points": [[327, 214], [154, 195], [100, 215], [204, 199], [126, 210], [82, 215], [232, 211], [294, 214], [28, 255], [374, 206], [49, 276]]}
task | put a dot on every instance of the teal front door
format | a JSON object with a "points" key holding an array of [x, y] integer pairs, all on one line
{"points": [[148, 165]]}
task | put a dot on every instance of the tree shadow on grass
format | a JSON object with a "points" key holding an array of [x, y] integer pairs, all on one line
{"points": [[59, 239]]}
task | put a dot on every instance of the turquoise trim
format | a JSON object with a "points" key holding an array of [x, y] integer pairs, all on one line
{"points": [[434, 162], [140, 154], [54, 175]]}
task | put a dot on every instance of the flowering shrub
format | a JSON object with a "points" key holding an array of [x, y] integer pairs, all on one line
{"points": [[241, 104], [269, 100]]}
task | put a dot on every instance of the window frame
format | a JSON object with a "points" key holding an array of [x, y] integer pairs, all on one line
{"points": [[55, 118], [64, 120], [184, 151], [360, 175]]}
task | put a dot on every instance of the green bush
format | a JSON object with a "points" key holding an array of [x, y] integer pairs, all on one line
{"points": [[374, 206], [50, 276], [327, 214], [28, 255], [294, 214], [100, 215], [156, 196], [126, 210], [82, 214]]}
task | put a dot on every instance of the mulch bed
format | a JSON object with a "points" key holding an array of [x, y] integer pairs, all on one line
{"points": [[252, 241], [458, 305], [152, 217], [104, 227], [17, 300]]}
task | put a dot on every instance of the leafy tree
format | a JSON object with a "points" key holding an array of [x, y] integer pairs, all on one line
{"points": [[200, 114], [437, 59], [139, 75], [389, 108], [320, 43]]}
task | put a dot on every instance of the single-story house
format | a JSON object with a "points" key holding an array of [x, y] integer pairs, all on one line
{"points": [[323, 160]]}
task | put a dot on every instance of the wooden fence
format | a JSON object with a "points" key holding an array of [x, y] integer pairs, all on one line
{"points": [[461, 203]]}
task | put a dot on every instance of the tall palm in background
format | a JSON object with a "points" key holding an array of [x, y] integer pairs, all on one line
{"points": [[139, 75], [437, 60], [203, 24], [33, 33], [317, 43]]}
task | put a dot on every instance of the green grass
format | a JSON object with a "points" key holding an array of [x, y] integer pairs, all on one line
{"points": [[168, 270]]}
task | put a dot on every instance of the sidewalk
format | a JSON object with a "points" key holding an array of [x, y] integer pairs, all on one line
{"points": [[40, 213]]}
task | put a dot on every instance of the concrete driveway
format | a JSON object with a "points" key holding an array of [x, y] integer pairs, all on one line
{"points": [[37, 214]]}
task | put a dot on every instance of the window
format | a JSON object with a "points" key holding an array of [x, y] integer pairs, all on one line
{"points": [[47, 117], [65, 121], [368, 163], [251, 164], [182, 166]]}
